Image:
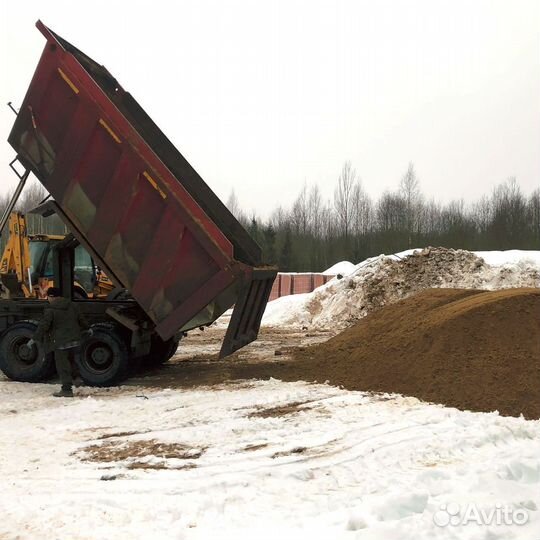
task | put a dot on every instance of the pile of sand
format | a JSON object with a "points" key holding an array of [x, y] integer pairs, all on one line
{"points": [[477, 350]]}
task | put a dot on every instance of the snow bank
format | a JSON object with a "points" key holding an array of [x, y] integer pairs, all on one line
{"points": [[344, 268], [493, 258], [510, 257], [295, 304], [386, 279], [338, 465]]}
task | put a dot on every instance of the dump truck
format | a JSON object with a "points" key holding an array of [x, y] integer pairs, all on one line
{"points": [[141, 211], [26, 266]]}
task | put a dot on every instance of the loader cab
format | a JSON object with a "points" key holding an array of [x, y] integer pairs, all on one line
{"points": [[42, 250], [40, 258]]}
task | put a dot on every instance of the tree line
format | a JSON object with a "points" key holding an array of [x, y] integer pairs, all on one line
{"points": [[312, 234]]}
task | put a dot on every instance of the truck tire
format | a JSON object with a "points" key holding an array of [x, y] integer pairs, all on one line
{"points": [[104, 357], [160, 351], [20, 362]]}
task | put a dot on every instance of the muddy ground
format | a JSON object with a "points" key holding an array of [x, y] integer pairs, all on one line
{"points": [[196, 362]]}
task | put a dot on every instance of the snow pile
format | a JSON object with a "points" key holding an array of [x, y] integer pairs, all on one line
{"points": [[260, 459], [509, 257], [386, 279], [343, 268]]}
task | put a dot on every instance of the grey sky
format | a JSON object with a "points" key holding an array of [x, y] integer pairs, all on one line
{"points": [[262, 96]]}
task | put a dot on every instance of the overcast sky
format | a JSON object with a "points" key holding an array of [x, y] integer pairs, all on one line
{"points": [[263, 96]]}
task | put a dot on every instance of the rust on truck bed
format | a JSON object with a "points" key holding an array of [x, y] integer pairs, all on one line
{"points": [[134, 201]]}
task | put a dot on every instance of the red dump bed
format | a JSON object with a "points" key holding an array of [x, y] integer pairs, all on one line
{"points": [[134, 201]]}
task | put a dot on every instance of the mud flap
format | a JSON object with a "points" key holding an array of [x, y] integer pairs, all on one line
{"points": [[248, 311]]}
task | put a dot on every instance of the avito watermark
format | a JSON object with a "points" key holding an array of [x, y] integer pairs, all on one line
{"points": [[454, 515]]}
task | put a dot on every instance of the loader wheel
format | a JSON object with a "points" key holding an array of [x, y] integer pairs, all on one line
{"points": [[119, 294], [20, 362], [160, 351], [104, 357], [79, 294]]}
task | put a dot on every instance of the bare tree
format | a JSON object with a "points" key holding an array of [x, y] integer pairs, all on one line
{"points": [[482, 212], [509, 221], [279, 218], [430, 218], [534, 216], [33, 194], [361, 210], [315, 205], [232, 203], [300, 212], [391, 212], [410, 191], [234, 207], [343, 196]]}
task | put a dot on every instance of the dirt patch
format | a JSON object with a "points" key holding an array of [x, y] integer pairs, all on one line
{"points": [[293, 451], [161, 466], [469, 349], [118, 434], [111, 477], [127, 450], [254, 447], [280, 410], [189, 369]]}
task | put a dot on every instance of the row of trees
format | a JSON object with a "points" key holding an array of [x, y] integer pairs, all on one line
{"points": [[312, 234]]}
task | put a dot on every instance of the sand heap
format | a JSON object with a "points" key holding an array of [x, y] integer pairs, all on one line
{"points": [[477, 350]]}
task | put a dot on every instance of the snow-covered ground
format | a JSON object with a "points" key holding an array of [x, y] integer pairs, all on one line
{"points": [[222, 462]]}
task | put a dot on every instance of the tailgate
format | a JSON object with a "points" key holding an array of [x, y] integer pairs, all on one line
{"points": [[248, 311]]}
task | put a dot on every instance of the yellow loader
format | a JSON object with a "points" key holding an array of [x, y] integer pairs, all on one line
{"points": [[26, 267]]}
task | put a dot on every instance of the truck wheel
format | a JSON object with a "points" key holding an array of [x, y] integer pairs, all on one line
{"points": [[104, 357], [160, 351], [20, 362]]}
